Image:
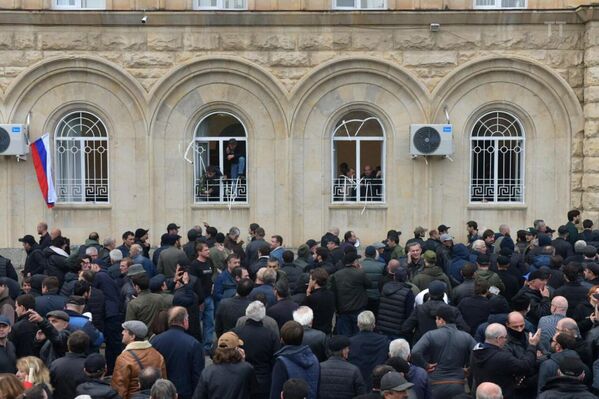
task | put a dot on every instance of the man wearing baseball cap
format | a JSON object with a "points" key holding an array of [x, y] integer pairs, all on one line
{"points": [[8, 357], [395, 386], [94, 368], [138, 355]]}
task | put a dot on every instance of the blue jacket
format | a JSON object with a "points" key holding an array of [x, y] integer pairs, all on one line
{"points": [[265, 289], [80, 322], [184, 358], [225, 286], [147, 264], [461, 256], [112, 294], [367, 350], [49, 302], [295, 362]]}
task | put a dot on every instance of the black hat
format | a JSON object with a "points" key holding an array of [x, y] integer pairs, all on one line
{"points": [[94, 363], [562, 230], [28, 239], [549, 230], [58, 314], [139, 233], [442, 227], [156, 282], [593, 268], [589, 251], [436, 288], [571, 366], [338, 342], [370, 251], [483, 259], [76, 300], [350, 258], [172, 226]]}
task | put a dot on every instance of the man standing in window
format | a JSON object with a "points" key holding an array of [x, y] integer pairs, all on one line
{"points": [[234, 160]]}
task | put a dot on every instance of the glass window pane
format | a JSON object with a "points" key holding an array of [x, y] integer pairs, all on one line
{"points": [[371, 175], [234, 4], [207, 3], [345, 3], [372, 3], [358, 123], [101, 4], [485, 3], [221, 125], [344, 182]]}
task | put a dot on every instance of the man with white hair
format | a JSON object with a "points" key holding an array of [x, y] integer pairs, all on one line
{"points": [[136, 254], [367, 348], [489, 362], [114, 269], [315, 339], [260, 345], [417, 375], [548, 324], [488, 390]]}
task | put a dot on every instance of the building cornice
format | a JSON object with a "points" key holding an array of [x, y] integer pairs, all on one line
{"points": [[579, 15]]}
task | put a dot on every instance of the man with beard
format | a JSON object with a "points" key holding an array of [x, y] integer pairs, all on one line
{"points": [[562, 346]]}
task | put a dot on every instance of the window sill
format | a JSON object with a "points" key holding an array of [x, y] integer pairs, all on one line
{"points": [[220, 206], [84, 206], [358, 205], [497, 206]]}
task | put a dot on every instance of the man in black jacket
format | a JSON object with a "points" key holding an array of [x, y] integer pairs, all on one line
{"points": [[94, 368], [231, 309], [36, 261], [23, 331], [349, 286], [568, 384], [260, 345], [395, 304], [321, 300], [66, 373], [490, 363], [50, 299], [561, 244], [536, 291], [338, 377], [572, 290]]}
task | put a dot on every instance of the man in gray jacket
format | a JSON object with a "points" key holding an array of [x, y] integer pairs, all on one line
{"points": [[444, 353]]}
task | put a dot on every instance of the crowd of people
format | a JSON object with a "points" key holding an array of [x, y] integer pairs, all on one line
{"points": [[216, 318]]}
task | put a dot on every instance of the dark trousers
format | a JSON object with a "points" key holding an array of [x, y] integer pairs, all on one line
{"points": [[113, 339], [347, 323]]}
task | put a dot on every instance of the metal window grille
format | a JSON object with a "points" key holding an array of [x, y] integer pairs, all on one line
{"points": [[358, 142], [359, 4], [497, 159], [80, 4], [81, 147], [215, 179], [494, 4], [220, 4]]}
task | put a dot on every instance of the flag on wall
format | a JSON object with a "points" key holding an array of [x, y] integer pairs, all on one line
{"points": [[40, 152]]}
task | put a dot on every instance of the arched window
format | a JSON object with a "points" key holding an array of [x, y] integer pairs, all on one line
{"points": [[358, 159], [497, 159], [81, 146], [220, 159]]}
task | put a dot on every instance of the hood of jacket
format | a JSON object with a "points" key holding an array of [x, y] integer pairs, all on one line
{"points": [[433, 271], [481, 353], [300, 355], [55, 251], [432, 306], [460, 251], [564, 384]]}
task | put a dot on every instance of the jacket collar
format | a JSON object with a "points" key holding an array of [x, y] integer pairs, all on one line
{"points": [[138, 345]]}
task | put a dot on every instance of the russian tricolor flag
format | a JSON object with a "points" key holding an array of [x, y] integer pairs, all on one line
{"points": [[40, 151]]}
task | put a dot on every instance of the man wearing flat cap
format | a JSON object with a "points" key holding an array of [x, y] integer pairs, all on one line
{"points": [[338, 377], [138, 355]]}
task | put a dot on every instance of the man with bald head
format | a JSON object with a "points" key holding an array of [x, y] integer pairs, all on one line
{"points": [[490, 363], [517, 345], [568, 326], [55, 232], [548, 324], [488, 390], [45, 239], [182, 352]]}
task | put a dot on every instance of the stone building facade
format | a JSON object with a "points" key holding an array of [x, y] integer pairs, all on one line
{"points": [[289, 77]]}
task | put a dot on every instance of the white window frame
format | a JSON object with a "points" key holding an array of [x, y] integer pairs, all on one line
{"points": [[358, 6], [65, 197], [221, 148], [78, 6], [496, 139], [498, 5], [219, 6], [358, 142]]}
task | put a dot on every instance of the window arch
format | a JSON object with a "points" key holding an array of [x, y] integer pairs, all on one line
{"points": [[81, 146], [358, 159], [220, 159], [497, 159]]}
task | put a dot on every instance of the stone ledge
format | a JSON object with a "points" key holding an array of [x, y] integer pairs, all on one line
{"points": [[498, 207], [305, 18], [87, 207]]}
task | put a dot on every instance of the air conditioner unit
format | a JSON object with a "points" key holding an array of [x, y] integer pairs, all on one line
{"points": [[429, 140], [13, 140]]}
